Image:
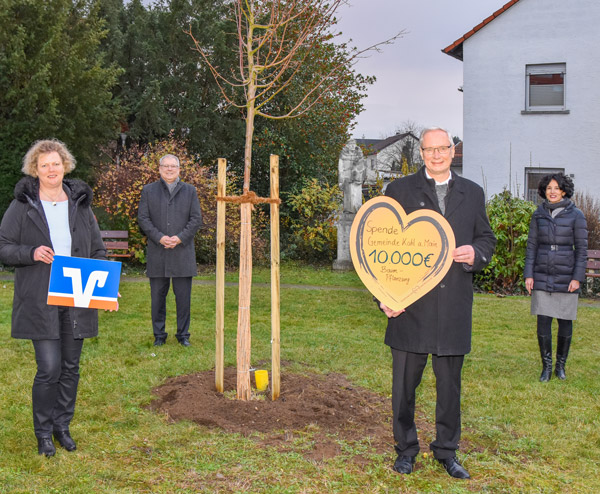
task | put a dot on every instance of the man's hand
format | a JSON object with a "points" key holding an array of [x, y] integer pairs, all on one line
{"points": [[175, 240], [165, 242], [464, 254], [170, 242], [389, 312]]}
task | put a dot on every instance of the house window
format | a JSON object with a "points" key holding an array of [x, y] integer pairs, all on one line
{"points": [[533, 177], [545, 89]]}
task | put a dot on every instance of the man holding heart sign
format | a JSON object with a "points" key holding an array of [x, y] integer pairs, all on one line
{"points": [[439, 323]]}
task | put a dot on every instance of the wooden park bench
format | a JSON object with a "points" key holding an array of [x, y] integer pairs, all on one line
{"points": [[592, 268], [116, 243]]}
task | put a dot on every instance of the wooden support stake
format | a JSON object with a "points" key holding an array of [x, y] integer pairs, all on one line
{"points": [[275, 291], [220, 280]]}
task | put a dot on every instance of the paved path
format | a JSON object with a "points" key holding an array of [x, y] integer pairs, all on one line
{"points": [[5, 276], [583, 302]]}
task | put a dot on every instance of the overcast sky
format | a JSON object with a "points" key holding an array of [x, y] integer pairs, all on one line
{"points": [[415, 80]]}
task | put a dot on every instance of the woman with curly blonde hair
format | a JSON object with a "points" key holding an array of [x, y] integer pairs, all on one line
{"points": [[50, 215]]}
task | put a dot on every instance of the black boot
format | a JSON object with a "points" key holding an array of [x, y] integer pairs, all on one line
{"points": [[545, 343], [562, 351]]}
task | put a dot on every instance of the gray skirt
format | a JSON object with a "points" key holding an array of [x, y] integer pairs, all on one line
{"points": [[558, 305]]}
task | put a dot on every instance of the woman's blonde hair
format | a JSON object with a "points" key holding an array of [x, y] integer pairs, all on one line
{"points": [[30, 161]]}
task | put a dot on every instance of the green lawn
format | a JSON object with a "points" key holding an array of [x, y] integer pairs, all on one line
{"points": [[523, 436]]}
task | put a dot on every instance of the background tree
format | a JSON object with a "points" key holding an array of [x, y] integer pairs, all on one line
{"points": [[163, 89], [408, 155], [54, 82]]}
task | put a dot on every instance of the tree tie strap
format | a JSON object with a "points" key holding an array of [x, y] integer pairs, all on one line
{"points": [[249, 197]]}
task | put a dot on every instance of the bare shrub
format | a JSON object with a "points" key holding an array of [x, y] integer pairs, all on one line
{"points": [[590, 207], [119, 187]]}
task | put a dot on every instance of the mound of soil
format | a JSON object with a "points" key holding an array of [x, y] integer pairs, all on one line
{"points": [[328, 407]]}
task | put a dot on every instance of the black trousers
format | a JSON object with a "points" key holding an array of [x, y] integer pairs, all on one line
{"points": [[54, 388], [544, 326], [407, 373], [182, 288]]}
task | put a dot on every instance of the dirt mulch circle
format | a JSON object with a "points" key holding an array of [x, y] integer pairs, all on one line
{"points": [[327, 407]]}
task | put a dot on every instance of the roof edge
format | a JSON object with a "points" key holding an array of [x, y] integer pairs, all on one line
{"points": [[456, 49]]}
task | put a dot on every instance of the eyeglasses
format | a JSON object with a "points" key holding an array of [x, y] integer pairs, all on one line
{"points": [[443, 150], [169, 167]]}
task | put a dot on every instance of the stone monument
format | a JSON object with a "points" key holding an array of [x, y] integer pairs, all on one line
{"points": [[352, 168]]}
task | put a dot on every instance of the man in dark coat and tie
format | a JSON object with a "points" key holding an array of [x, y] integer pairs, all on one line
{"points": [[439, 323], [169, 214]]}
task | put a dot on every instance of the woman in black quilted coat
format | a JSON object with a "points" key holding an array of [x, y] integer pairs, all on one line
{"points": [[50, 215], [555, 267]]}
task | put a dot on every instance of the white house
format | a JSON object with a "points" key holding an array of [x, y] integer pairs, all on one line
{"points": [[531, 95], [385, 156]]}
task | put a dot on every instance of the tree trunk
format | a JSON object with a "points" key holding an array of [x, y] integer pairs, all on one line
{"points": [[245, 282], [243, 329]]}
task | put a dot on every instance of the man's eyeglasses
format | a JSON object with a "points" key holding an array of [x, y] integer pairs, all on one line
{"points": [[169, 167], [443, 150]]}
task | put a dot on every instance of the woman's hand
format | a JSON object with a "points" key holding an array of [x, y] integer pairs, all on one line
{"points": [[115, 310], [529, 284], [389, 312], [573, 286], [43, 254]]}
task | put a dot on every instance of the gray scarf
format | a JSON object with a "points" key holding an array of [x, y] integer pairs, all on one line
{"points": [[172, 185]]}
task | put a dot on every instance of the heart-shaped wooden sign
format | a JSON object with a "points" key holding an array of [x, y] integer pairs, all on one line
{"points": [[400, 257]]}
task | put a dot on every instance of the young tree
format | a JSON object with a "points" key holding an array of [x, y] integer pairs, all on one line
{"points": [[54, 82], [276, 39], [309, 144]]}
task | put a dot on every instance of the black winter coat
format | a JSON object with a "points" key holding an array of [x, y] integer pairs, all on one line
{"points": [[440, 322], [556, 248], [23, 229], [161, 213]]}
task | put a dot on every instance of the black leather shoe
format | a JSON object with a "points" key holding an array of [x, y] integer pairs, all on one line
{"points": [[185, 342], [404, 464], [159, 342], [46, 446], [65, 440], [454, 468]]}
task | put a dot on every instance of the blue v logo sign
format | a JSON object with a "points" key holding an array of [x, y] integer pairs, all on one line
{"points": [[89, 283], [81, 297]]}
